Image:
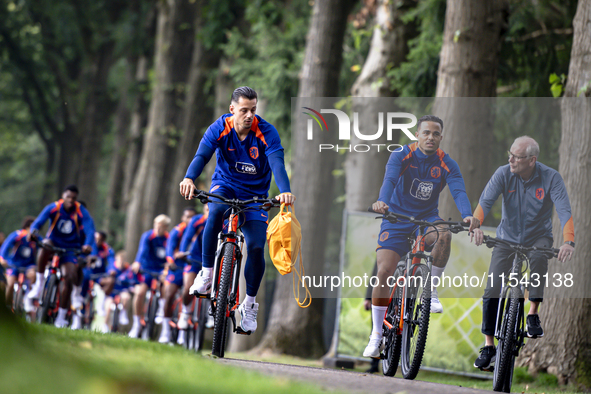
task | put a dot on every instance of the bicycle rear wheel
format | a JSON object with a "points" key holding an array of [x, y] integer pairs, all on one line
{"points": [[48, 300], [393, 340], [151, 321], [17, 302], [505, 359], [221, 309], [418, 310]]}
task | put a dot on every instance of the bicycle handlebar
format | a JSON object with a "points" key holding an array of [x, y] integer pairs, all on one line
{"points": [[492, 242], [55, 249], [392, 217], [267, 203]]}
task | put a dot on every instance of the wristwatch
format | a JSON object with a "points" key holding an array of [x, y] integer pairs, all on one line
{"points": [[571, 243]]}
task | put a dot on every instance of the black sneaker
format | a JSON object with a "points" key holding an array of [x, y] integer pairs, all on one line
{"points": [[374, 368], [486, 358], [533, 327]]}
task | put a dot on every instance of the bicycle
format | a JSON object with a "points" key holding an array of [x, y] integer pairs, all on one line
{"points": [[224, 294], [406, 322], [510, 324], [21, 287], [88, 305], [49, 302], [153, 295]]}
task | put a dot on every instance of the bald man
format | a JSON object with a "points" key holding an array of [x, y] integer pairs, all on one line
{"points": [[530, 189]]}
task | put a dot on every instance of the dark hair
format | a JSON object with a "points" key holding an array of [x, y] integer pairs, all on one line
{"points": [[244, 91], [430, 118], [190, 209], [27, 221], [103, 235], [72, 188]]}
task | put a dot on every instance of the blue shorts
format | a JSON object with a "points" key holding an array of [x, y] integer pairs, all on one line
{"points": [[68, 257], [147, 276], [228, 192], [175, 277], [394, 236], [194, 267], [13, 270]]}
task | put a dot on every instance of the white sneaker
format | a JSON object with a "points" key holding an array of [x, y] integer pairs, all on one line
{"points": [[436, 306], [61, 323], [373, 347], [183, 323], [76, 322], [209, 321], [77, 301], [104, 329], [123, 318], [248, 317], [135, 331], [164, 335], [160, 311], [202, 284], [28, 304], [35, 292], [181, 339]]}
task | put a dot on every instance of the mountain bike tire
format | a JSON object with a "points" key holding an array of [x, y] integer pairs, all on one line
{"points": [[151, 321], [505, 361], [17, 302], [48, 300], [414, 333], [114, 319], [220, 318], [393, 340]]}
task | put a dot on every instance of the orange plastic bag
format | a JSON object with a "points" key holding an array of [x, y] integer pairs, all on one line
{"points": [[284, 237]]}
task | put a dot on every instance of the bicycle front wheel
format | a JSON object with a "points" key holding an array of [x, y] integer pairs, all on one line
{"points": [[393, 340], [200, 323], [416, 320], [221, 308], [48, 300], [505, 361]]}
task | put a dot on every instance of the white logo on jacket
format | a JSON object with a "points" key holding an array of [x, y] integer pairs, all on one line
{"points": [[421, 190], [65, 226]]}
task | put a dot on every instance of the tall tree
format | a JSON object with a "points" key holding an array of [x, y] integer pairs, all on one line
{"points": [[468, 68], [291, 329], [388, 49], [148, 181], [565, 350]]}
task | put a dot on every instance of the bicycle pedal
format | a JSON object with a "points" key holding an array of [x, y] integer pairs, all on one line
{"points": [[489, 369], [199, 295], [239, 330]]}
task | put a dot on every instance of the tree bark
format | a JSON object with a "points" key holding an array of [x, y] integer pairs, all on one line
{"points": [[293, 330], [565, 350], [468, 68], [120, 145], [95, 124], [148, 181], [388, 49], [195, 117]]}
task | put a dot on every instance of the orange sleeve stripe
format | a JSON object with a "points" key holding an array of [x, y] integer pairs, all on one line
{"points": [[568, 232], [441, 155], [257, 130], [169, 259], [229, 124], [413, 148], [479, 214]]}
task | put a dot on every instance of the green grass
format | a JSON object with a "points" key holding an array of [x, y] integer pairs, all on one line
{"points": [[43, 359]]}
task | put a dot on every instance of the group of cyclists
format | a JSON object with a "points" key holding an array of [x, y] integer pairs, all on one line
{"points": [[416, 175], [248, 152]]}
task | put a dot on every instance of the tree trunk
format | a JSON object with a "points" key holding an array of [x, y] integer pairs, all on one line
{"points": [[291, 329], [565, 350], [139, 118], [195, 117], [468, 68], [120, 145], [147, 185], [95, 123], [388, 49]]}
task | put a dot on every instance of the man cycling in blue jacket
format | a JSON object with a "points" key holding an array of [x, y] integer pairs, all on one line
{"points": [[530, 189], [248, 149], [415, 176], [71, 227]]}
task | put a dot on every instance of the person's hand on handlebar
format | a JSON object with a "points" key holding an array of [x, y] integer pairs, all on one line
{"points": [[187, 188], [286, 198], [566, 253], [135, 267], [474, 223], [379, 207], [478, 236], [86, 249]]}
